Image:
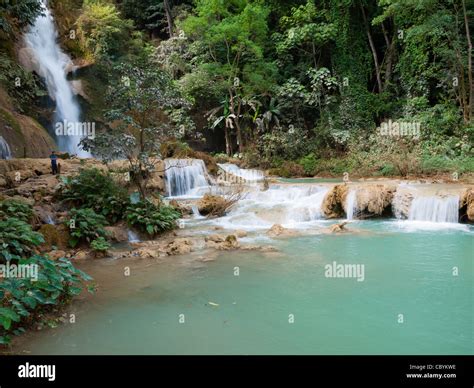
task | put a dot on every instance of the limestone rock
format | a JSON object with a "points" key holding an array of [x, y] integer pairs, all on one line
{"points": [[117, 233], [279, 231]]}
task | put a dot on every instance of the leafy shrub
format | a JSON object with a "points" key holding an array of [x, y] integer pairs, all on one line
{"points": [[97, 190], [23, 299], [17, 239], [150, 218], [388, 170], [100, 245], [14, 208], [309, 163], [85, 225], [288, 170]]}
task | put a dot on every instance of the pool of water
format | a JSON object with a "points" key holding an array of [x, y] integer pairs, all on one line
{"points": [[409, 301]]}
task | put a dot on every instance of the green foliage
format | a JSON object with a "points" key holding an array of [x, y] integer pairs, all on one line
{"points": [[22, 300], [100, 245], [102, 32], [85, 225], [18, 13], [18, 209], [17, 239], [149, 218], [23, 86], [309, 164], [97, 190]]}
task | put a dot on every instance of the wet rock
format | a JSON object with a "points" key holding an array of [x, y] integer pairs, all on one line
{"points": [[332, 205], [222, 243], [56, 254], [338, 228], [117, 233], [179, 246], [241, 233], [279, 231], [212, 205], [466, 204], [54, 236], [81, 255], [374, 200]]}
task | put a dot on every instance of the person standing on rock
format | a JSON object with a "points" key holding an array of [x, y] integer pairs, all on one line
{"points": [[54, 162]]}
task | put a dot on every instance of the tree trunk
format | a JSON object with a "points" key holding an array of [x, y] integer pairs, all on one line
{"points": [[169, 18], [372, 48], [228, 147], [469, 61]]}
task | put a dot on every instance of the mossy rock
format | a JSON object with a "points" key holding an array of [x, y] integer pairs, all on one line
{"points": [[54, 235]]}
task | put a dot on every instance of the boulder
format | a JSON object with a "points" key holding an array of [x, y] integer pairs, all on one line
{"points": [[467, 203], [56, 254], [117, 233], [279, 231], [212, 205], [332, 205], [179, 246], [241, 233]]}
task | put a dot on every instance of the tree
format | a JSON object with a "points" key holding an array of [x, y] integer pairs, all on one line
{"points": [[230, 39], [136, 127]]}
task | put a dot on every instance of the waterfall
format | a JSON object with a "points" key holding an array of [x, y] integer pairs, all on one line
{"points": [[5, 152], [185, 177], [52, 62], [288, 205], [351, 204], [435, 209], [132, 236], [235, 174]]}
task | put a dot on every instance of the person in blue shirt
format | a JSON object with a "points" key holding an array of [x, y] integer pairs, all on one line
{"points": [[54, 162]]}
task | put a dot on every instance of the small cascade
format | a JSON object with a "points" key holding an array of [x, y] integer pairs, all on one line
{"points": [[132, 237], [351, 204], [185, 177], [196, 212], [5, 152], [285, 205], [234, 174], [435, 209], [49, 220]]}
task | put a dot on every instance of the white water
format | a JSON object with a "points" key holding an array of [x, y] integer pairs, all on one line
{"points": [[233, 173], [132, 236], [351, 204], [42, 40], [290, 206], [435, 209], [5, 152], [186, 178]]}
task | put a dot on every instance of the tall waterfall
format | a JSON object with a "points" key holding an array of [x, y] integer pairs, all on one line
{"points": [[435, 209], [51, 63], [351, 204], [185, 177], [5, 152]]}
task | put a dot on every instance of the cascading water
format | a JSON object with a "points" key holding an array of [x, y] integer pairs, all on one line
{"points": [[281, 204], [51, 64], [435, 209], [233, 173], [5, 152], [132, 236], [185, 177], [351, 204]]}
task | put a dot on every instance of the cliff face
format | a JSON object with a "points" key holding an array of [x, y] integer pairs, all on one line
{"points": [[25, 136]]}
